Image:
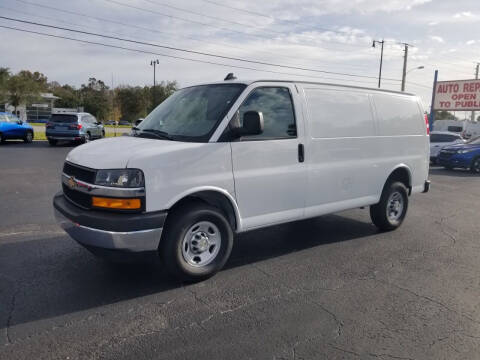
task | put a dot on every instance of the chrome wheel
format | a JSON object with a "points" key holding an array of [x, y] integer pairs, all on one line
{"points": [[201, 243], [87, 137], [395, 205], [29, 137]]}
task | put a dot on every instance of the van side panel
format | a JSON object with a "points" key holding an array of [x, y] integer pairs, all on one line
{"points": [[402, 136], [341, 149]]}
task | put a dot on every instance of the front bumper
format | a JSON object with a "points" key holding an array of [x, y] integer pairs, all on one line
{"points": [[456, 160], [65, 138], [110, 231]]}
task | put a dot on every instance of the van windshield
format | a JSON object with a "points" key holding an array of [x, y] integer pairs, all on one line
{"points": [[191, 114]]}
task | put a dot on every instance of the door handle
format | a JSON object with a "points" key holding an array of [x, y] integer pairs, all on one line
{"points": [[301, 153]]}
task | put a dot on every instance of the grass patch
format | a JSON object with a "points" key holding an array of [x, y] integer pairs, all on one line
{"points": [[118, 126], [39, 135]]}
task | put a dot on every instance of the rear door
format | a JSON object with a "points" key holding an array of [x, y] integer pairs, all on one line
{"points": [[95, 126], [270, 176]]}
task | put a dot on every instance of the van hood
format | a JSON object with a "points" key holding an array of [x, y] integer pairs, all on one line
{"points": [[116, 153]]}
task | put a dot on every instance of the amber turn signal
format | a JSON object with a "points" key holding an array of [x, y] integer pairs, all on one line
{"points": [[111, 203]]}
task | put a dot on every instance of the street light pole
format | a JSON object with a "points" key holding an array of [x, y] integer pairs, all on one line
{"points": [[381, 60], [154, 63]]}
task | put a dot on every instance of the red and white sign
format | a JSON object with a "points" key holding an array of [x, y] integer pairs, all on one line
{"points": [[459, 95]]}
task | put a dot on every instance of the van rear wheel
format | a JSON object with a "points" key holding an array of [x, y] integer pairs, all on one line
{"points": [[390, 212], [197, 242]]}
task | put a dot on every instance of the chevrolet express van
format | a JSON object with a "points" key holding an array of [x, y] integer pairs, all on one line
{"points": [[219, 159]]}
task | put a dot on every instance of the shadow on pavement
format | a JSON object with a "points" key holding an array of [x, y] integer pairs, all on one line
{"points": [[20, 144], [452, 173], [54, 276]]}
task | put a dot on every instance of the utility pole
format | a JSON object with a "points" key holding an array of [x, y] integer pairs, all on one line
{"points": [[431, 120], [381, 60], [405, 57], [154, 63], [476, 77]]}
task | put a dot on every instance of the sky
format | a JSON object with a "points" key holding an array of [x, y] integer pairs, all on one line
{"points": [[318, 35]]}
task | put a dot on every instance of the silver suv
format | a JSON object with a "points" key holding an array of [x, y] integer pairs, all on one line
{"points": [[78, 127]]}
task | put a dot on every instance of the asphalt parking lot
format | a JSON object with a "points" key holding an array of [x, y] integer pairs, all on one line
{"points": [[328, 288]]}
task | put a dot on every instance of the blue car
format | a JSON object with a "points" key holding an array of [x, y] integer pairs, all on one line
{"points": [[466, 156], [11, 127]]}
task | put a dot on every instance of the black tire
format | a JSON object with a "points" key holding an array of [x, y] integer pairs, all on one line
{"points": [[28, 137], [103, 134], [87, 138], [52, 142], [475, 167], [378, 212], [2, 139], [172, 244]]}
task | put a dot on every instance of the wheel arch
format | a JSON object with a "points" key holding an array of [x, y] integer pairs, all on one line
{"points": [[214, 196], [401, 173]]}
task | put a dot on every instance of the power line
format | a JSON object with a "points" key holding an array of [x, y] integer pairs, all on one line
{"points": [[142, 28], [190, 51], [210, 16], [264, 37], [238, 9], [174, 56], [186, 20], [237, 22]]}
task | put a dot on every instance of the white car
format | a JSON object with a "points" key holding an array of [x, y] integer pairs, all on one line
{"points": [[440, 139], [223, 158]]}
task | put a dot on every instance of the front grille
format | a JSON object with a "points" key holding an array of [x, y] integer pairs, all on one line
{"points": [[79, 172], [81, 199]]}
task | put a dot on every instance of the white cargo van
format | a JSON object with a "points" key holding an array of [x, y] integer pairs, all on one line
{"points": [[223, 158]]}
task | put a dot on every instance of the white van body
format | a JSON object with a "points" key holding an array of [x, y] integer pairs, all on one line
{"points": [[472, 130], [348, 143]]}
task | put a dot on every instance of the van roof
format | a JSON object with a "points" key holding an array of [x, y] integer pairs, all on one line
{"points": [[249, 82]]}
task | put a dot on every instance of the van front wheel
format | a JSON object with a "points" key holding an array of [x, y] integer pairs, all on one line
{"points": [[390, 212], [197, 242]]}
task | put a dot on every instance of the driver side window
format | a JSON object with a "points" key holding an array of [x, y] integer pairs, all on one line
{"points": [[275, 103]]}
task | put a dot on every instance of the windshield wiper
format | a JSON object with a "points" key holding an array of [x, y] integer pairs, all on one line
{"points": [[158, 133]]}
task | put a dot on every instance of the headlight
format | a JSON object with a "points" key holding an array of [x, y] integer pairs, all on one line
{"points": [[464, 151], [129, 178]]}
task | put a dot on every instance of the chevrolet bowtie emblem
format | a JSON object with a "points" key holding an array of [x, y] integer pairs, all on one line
{"points": [[72, 183]]}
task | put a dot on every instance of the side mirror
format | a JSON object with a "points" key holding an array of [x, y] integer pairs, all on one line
{"points": [[252, 124], [138, 122], [19, 122]]}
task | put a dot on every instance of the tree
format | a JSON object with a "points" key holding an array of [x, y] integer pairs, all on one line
{"points": [[4, 76], [161, 92], [95, 98], [445, 115], [69, 96], [25, 87], [132, 101]]}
